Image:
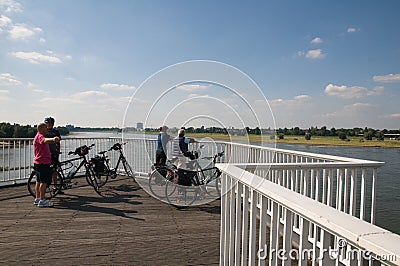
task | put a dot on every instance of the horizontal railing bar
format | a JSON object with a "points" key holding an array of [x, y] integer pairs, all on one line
{"points": [[358, 232], [301, 153], [316, 165]]}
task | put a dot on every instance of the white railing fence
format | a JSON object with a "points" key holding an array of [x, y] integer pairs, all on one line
{"points": [[345, 184], [265, 223]]}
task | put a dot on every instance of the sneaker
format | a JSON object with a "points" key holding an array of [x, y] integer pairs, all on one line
{"points": [[36, 201], [45, 203]]}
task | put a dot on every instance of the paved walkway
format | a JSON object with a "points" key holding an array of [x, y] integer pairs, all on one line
{"points": [[127, 227]]}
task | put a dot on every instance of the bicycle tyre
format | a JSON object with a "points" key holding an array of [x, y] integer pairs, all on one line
{"points": [[128, 169], [51, 191], [92, 180], [178, 195], [157, 184]]}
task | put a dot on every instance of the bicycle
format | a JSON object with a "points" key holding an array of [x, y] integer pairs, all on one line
{"points": [[102, 168], [196, 183], [159, 177], [63, 181]]}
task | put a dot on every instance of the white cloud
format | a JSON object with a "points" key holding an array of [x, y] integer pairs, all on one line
{"points": [[356, 106], [393, 115], [315, 54], [92, 97], [387, 78], [116, 86], [302, 97], [10, 6], [36, 58], [22, 31], [350, 92], [40, 91], [4, 21], [296, 101], [351, 29], [316, 40], [192, 87], [7, 79]]}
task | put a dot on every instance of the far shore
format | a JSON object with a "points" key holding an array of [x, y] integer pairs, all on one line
{"points": [[292, 139]]}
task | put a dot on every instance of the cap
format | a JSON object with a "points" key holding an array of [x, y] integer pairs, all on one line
{"points": [[49, 120]]}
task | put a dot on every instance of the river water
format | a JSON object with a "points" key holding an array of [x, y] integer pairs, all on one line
{"points": [[388, 181]]}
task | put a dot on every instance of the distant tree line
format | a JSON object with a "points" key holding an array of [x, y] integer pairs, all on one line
{"points": [[342, 133], [92, 129], [8, 130]]}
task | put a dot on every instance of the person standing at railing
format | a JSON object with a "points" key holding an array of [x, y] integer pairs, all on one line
{"points": [[180, 149], [162, 140], [42, 162], [55, 147]]}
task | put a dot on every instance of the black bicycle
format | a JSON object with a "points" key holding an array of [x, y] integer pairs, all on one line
{"points": [[102, 167], [195, 182], [160, 175], [62, 181]]}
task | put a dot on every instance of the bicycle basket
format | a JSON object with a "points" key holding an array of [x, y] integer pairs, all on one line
{"points": [[98, 163], [82, 150]]}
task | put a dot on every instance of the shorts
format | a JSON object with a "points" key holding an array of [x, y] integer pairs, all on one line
{"points": [[45, 173]]}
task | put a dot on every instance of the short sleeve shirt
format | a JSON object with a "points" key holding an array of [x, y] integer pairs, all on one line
{"points": [[41, 150]]}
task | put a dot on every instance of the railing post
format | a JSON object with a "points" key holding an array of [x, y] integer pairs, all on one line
{"points": [[252, 236], [274, 235], [238, 225], [245, 225]]}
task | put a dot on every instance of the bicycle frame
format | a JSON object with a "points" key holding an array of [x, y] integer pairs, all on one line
{"points": [[73, 174]]}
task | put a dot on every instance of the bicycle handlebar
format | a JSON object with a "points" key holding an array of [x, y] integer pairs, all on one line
{"points": [[82, 150]]}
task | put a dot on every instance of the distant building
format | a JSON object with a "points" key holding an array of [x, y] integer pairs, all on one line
{"points": [[139, 125]]}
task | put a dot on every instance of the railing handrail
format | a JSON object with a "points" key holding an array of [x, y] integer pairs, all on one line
{"points": [[315, 165], [359, 233], [300, 153]]}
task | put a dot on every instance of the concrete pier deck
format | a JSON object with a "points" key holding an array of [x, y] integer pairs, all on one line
{"points": [[126, 227]]}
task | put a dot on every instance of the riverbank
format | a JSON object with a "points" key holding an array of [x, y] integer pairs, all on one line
{"points": [[293, 139]]}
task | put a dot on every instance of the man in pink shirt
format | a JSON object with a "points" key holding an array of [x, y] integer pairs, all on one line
{"points": [[42, 162]]}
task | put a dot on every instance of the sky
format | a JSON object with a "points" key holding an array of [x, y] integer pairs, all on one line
{"points": [[115, 63]]}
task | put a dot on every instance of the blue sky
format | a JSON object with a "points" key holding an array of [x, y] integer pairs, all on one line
{"points": [[332, 63]]}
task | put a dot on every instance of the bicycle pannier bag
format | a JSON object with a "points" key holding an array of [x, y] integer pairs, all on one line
{"points": [[98, 164]]}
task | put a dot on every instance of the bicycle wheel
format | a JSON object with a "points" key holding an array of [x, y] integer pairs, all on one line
{"points": [[51, 191], [92, 180], [157, 182], [180, 195], [102, 178], [128, 169]]}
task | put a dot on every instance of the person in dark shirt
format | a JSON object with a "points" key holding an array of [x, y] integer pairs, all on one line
{"points": [[162, 140], [55, 147]]}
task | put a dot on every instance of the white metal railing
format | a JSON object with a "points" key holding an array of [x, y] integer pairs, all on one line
{"points": [[343, 183], [265, 223]]}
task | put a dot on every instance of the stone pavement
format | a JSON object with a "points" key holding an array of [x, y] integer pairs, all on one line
{"points": [[124, 227]]}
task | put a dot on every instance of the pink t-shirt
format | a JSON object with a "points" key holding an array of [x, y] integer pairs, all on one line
{"points": [[41, 150]]}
